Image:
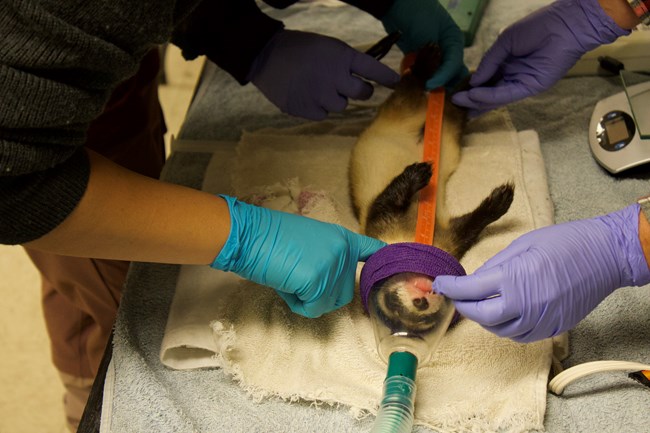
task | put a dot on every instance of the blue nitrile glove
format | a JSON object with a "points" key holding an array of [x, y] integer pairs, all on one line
{"points": [[310, 264], [310, 75], [535, 52], [425, 21], [549, 279]]}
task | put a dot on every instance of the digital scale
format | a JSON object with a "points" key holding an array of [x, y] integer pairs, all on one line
{"points": [[619, 131]]}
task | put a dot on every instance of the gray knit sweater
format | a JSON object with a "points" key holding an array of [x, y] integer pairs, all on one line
{"points": [[59, 62]]}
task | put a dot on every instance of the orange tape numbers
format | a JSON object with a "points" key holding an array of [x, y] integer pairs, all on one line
{"points": [[432, 137]]}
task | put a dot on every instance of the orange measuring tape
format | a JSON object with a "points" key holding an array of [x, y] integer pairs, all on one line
{"points": [[426, 221]]}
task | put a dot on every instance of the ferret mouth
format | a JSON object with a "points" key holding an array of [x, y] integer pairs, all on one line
{"points": [[422, 284]]}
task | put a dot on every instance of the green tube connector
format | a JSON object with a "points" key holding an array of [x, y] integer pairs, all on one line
{"points": [[397, 406], [402, 364]]}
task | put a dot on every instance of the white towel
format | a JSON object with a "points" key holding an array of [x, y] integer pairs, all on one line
{"points": [[475, 382]]}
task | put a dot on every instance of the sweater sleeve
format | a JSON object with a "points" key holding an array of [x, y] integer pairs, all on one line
{"points": [[233, 33], [229, 33], [59, 61]]}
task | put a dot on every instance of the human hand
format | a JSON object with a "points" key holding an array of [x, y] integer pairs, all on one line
{"points": [[425, 21], [310, 75], [310, 264], [535, 52], [549, 279]]}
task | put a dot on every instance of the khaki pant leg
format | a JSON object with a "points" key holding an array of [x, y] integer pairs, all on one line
{"points": [[80, 298], [81, 295], [77, 393]]}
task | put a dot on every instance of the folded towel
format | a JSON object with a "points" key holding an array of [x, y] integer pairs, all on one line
{"points": [[475, 381]]}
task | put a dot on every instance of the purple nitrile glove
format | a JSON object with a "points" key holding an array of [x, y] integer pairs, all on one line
{"points": [[310, 75], [310, 264], [535, 52], [549, 279]]}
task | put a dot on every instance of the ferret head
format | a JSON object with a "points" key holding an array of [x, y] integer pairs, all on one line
{"points": [[407, 302]]}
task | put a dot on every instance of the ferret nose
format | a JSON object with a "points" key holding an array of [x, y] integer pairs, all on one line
{"points": [[421, 303]]}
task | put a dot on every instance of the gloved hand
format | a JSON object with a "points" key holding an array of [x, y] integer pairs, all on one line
{"points": [[549, 279], [534, 53], [310, 75], [310, 264], [424, 21]]}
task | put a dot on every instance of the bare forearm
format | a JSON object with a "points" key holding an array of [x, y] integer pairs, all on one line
{"points": [[127, 216], [621, 12]]}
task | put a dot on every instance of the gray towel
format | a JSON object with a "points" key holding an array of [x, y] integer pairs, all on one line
{"points": [[218, 320], [149, 397]]}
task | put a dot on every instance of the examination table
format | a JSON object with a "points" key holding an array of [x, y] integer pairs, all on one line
{"points": [[136, 393]]}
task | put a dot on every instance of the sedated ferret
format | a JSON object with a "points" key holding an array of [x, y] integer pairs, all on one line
{"points": [[385, 178], [405, 303]]}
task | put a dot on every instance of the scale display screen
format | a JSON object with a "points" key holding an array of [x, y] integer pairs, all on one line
{"points": [[615, 134], [615, 130]]}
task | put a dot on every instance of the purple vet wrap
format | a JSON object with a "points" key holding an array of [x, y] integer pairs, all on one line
{"points": [[406, 257]]}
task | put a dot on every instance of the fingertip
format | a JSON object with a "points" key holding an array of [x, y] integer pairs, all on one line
{"points": [[336, 104], [392, 83], [439, 79], [292, 302], [488, 95], [434, 83], [311, 310], [361, 90], [344, 299], [441, 283], [467, 309], [489, 313], [467, 99], [372, 69], [454, 84], [462, 99], [392, 78], [369, 246], [318, 307], [451, 71], [476, 79], [473, 287]]}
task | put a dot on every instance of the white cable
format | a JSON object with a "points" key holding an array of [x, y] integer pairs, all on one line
{"points": [[559, 382]]}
